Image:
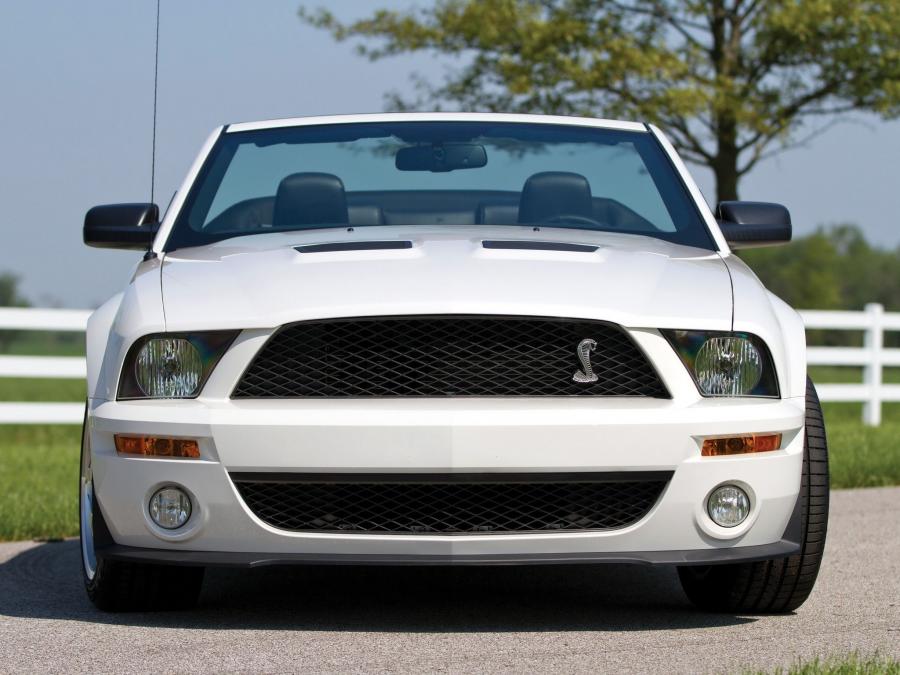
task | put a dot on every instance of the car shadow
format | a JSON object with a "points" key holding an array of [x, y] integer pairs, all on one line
{"points": [[44, 582]]}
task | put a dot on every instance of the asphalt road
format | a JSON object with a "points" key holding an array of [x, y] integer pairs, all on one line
{"points": [[568, 619]]}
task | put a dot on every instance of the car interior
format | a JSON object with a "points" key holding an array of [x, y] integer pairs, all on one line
{"points": [[312, 199]]}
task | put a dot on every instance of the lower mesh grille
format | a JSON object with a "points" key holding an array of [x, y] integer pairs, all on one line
{"points": [[450, 504]]}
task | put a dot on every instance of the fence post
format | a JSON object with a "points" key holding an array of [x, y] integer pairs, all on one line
{"points": [[873, 340]]}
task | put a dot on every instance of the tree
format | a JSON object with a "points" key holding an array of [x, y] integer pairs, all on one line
{"points": [[805, 273], [834, 268], [9, 291], [730, 81], [9, 297]]}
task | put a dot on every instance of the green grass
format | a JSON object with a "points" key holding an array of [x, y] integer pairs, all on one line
{"points": [[850, 664], [27, 389], [39, 464], [849, 374], [42, 343], [38, 481], [863, 456]]}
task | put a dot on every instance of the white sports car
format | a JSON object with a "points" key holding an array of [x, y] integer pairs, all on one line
{"points": [[447, 339]]}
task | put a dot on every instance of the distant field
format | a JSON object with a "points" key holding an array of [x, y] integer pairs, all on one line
{"points": [[39, 465], [849, 374], [59, 391], [42, 343]]}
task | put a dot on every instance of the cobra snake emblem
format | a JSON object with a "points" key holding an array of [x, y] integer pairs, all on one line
{"points": [[584, 349]]}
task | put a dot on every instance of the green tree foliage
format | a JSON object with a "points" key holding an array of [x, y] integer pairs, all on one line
{"points": [[834, 268], [9, 291], [805, 273], [9, 297], [730, 81]]}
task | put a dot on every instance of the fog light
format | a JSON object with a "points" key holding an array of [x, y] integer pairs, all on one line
{"points": [[170, 508], [728, 506]]}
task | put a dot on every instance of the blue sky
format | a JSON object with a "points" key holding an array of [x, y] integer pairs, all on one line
{"points": [[77, 82]]}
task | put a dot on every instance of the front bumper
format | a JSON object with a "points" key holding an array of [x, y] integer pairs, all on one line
{"points": [[542, 436]]}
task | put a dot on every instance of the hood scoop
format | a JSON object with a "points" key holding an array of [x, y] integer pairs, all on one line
{"points": [[353, 246], [527, 245]]}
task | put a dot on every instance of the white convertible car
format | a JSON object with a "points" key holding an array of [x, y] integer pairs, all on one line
{"points": [[447, 339]]}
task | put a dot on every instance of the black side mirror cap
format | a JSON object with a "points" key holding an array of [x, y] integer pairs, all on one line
{"points": [[751, 224], [129, 226]]}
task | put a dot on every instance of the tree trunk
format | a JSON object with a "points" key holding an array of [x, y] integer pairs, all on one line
{"points": [[726, 180], [725, 163], [725, 55]]}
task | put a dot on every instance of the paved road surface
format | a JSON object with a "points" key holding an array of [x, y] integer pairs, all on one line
{"points": [[568, 619]]}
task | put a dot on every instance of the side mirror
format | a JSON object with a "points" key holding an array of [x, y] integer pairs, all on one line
{"points": [[121, 226], [751, 224]]}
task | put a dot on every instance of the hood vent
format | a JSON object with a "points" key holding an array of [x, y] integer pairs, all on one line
{"points": [[353, 246], [527, 245]]}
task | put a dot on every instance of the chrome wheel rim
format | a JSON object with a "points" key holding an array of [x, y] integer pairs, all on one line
{"points": [[88, 556]]}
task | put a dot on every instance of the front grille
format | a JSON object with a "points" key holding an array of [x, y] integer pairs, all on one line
{"points": [[447, 356], [450, 504]]}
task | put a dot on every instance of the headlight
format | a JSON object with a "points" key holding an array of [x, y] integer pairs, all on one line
{"points": [[726, 364], [168, 368], [170, 365]]}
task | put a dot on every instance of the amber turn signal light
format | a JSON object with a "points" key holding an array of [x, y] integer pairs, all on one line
{"points": [[739, 445], [157, 446]]}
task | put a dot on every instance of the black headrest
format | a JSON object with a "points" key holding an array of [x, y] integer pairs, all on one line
{"points": [[310, 199], [555, 193]]}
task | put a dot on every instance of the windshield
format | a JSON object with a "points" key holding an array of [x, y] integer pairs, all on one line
{"points": [[438, 173]]}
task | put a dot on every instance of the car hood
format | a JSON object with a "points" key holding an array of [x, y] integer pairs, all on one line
{"points": [[262, 281]]}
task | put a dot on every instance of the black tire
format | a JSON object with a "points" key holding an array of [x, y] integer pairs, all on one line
{"points": [[779, 585], [118, 586], [137, 587]]}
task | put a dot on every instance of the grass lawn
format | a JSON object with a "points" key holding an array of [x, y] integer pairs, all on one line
{"points": [[25, 390], [39, 464], [851, 664], [38, 481]]}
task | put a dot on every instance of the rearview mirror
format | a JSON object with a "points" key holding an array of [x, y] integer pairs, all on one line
{"points": [[751, 224], [439, 157], [131, 226]]}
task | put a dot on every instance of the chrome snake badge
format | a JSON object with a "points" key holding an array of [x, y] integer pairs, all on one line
{"points": [[584, 349]]}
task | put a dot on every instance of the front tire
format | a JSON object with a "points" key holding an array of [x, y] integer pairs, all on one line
{"points": [[117, 586], [778, 585]]}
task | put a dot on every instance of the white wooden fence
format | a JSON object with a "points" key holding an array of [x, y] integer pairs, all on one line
{"points": [[71, 367], [872, 357]]}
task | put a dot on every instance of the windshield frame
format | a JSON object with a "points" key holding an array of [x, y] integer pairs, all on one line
{"points": [[674, 187]]}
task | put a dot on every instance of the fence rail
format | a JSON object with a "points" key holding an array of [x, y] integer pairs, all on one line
{"points": [[872, 357]]}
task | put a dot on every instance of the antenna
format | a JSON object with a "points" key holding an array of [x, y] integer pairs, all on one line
{"points": [[155, 81]]}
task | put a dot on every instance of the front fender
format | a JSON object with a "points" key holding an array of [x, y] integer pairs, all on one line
{"points": [[794, 333], [99, 326], [758, 311], [117, 324]]}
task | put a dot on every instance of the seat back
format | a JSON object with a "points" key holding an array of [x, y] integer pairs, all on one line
{"points": [[555, 193], [310, 198]]}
